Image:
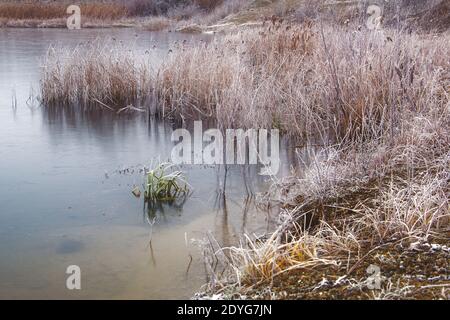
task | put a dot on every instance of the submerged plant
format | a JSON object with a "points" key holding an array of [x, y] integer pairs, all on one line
{"points": [[165, 184]]}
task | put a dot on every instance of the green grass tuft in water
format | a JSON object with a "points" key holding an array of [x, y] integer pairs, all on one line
{"points": [[165, 184]]}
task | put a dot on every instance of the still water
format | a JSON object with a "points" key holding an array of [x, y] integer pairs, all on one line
{"points": [[65, 193]]}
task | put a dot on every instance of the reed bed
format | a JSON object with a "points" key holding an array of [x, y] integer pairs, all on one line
{"points": [[345, 207], [101, 73], [377, 101], [157, 23], [304, 79], [47, 11], [382, 98], [150, 15]]}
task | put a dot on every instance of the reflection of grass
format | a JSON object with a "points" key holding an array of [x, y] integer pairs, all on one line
{"points": [[165, 184], [154, 210]]}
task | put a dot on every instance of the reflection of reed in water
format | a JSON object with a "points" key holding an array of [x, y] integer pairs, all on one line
{"points": [[92, 121], [111, 133], [225, 234], [216, 255], [155, 210]]}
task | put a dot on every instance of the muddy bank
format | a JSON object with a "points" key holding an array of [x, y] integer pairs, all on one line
{"points": [[406, 271]]}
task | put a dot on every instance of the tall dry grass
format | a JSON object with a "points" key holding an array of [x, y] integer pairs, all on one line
{"points": [[160, 14], [347, 204], [382, 98], [101, 73], [304, 79], [219, 11], [54, 10], [378, 102]]}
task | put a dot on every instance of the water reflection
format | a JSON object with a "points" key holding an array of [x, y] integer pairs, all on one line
{"points": [[67, 176], [156, 210]]}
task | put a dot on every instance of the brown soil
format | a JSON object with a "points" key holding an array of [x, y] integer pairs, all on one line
{"points": [[422, 272]]}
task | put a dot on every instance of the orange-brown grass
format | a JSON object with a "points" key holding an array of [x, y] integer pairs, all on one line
{"points": [[40, 11]]}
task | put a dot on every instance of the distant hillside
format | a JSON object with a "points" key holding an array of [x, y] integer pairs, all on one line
{"points": [[428, 15], [218, 14]]}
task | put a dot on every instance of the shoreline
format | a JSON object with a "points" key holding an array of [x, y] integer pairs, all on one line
{"points": [[378, 196]]}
